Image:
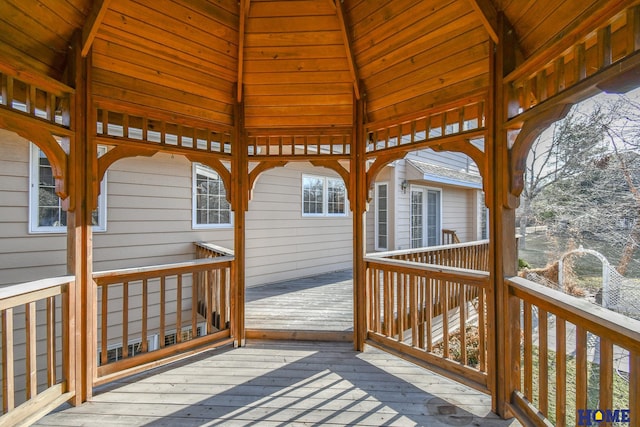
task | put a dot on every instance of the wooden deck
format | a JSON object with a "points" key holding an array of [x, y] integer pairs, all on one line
{"points": [[320, 303], [275, 383]]}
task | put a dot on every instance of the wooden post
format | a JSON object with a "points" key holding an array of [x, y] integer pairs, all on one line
{"points": [[358, 187], [501, 368], [82, 173], [240, 201]]}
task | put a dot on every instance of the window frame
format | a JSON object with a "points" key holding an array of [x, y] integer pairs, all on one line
{"points": [[425, 220], [201, 169], [377, 246], [34, 199], [325, 197]]}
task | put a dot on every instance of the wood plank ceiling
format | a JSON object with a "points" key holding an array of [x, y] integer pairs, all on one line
{"points": [[298, 61]]}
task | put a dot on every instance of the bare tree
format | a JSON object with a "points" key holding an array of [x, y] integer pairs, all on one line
{"points": [[599, 201], [558, 155]]}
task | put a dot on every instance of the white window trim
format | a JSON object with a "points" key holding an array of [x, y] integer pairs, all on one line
{"points": [[198, 168], [325, 198], [34, 171], [376, 240], [425, 236]]}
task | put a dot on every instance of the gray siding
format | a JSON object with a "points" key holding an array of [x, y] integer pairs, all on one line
{"points": [[149, 222]]}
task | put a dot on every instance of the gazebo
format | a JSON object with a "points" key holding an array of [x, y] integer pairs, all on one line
{"points": [[351, 85]]}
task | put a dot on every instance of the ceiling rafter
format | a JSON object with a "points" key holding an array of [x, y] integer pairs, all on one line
{"points": [[94, 20], [244, 15], [347, 44], [489, 17]]}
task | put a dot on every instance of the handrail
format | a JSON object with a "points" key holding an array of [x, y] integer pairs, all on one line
{"points": [[400, 252], [420, 310], [551, 331], [435, 271], [614, 325], [48, 296], [211, 250], [149, 315], [137, 273], [470, 255]]}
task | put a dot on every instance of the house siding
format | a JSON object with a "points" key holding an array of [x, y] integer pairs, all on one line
{"points": [[149, 222]]}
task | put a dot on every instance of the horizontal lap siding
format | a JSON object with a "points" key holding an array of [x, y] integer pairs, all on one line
{"points": [[23, 257], [149, 222], [281, 243], [149, 215]]}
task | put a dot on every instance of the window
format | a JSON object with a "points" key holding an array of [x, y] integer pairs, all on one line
{"points": [[382, 210], [210, 206], [425, 220], [45, 208], [323, 196]]}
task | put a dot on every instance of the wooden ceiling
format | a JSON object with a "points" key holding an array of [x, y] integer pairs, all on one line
{"points": [[300, 62]]}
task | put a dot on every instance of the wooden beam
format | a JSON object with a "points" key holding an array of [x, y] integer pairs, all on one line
{"points": [[262, 167], [344, 30], [244, 15], [94, 20], [15, 66], [489, 17]]}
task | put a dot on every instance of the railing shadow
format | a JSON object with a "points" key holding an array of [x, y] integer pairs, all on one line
{"points": [[304, 383]]}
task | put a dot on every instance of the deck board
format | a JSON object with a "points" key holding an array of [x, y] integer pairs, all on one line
{"points": [[284, 383], [320, 303]]}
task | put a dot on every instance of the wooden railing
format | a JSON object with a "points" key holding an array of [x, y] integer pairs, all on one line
{"points": [[472, 255], [449, 237], [150, 314], [37, 351], [209, 250], [570, 358], [435, 315]]}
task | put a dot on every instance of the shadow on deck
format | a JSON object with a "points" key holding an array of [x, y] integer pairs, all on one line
{"points": [[271, 383], [320, 303]]}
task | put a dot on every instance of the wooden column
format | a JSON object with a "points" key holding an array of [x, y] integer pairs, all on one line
{"points": [[358, 187], [502, 249], [81, 201], [240, 202]]}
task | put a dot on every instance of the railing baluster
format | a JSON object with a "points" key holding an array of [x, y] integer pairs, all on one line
{"points": [[125, 320], [31, 356], [581, 367], [223, 298], [463, 323], [8, 386], [482, 331], [528, 351], [543, 366], [207, 298], [104, 324], [413, 309], [195, 302], [444, 285], [145, 314], [51, 341], [163, 309], [561, 372], [606, 373], [179, 309], [634, 387], [428, 305]]}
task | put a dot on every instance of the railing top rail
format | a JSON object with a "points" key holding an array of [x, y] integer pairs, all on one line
{"points": [[34, 286], [427, 249], [622, 330], [215, 248], [436, 271], [140, 273]]}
